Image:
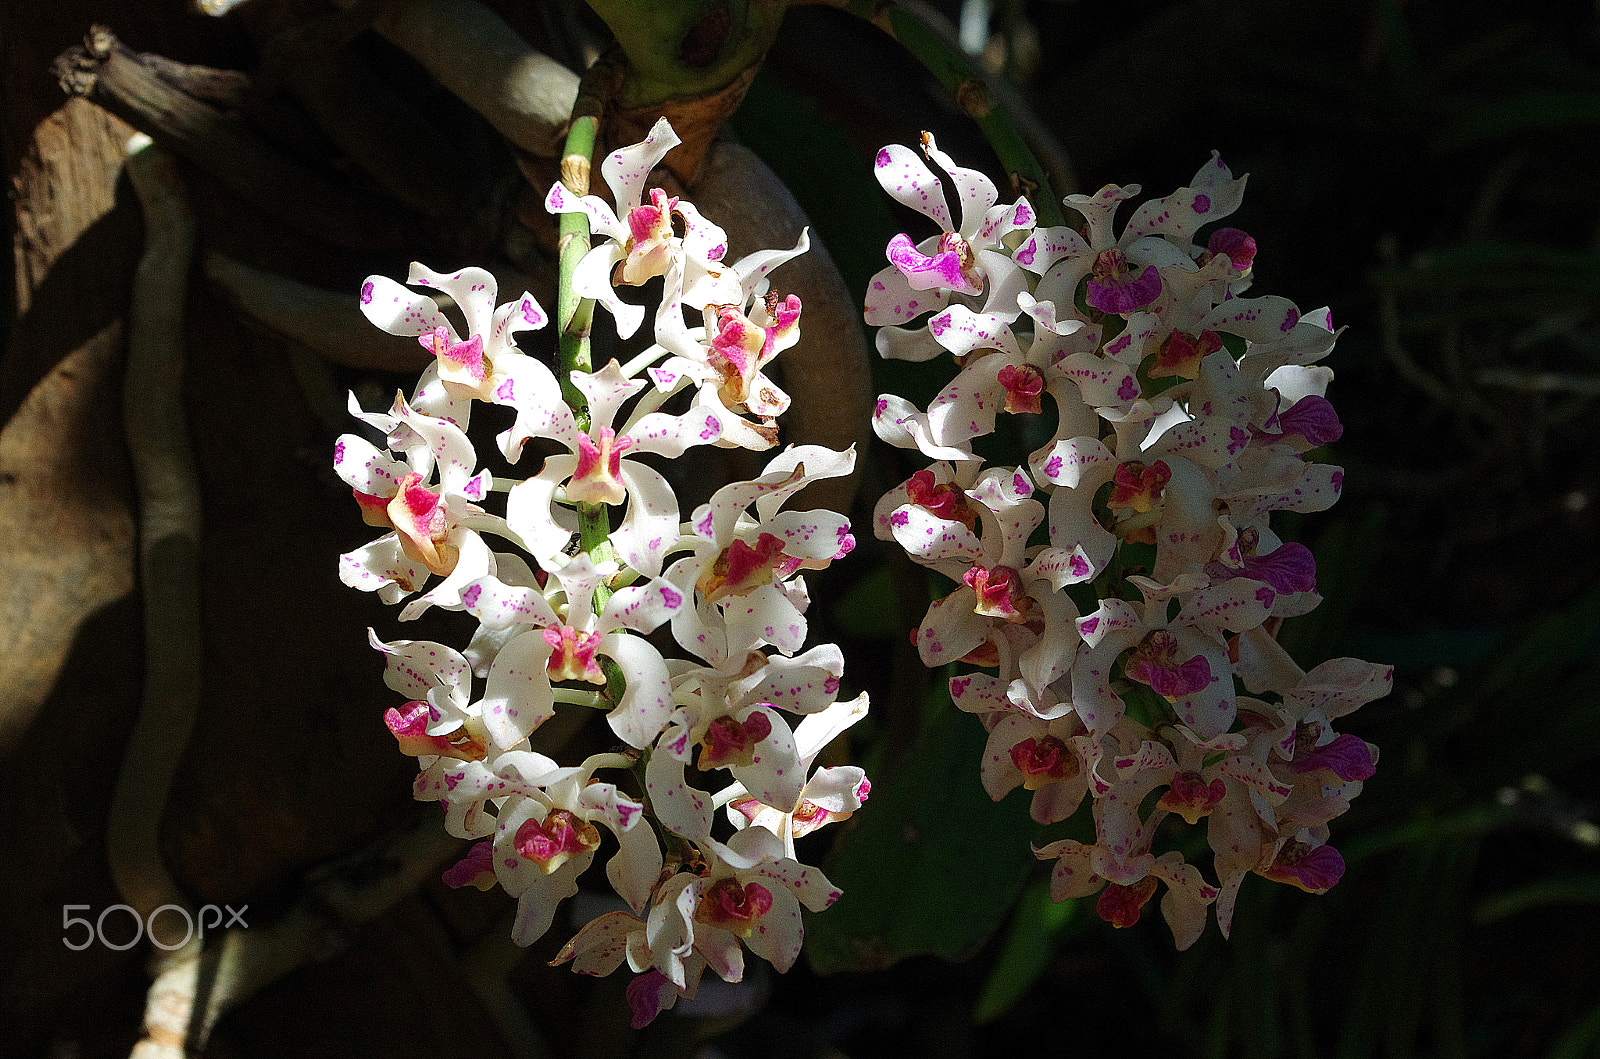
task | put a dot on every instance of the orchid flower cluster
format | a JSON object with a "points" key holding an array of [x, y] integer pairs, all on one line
{"points": [[565, 601], [1119, 592]]}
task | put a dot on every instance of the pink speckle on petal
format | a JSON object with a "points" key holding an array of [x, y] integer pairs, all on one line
{"points": [[366, 292], [1202, 203]]}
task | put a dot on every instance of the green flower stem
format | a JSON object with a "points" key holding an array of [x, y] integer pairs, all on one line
{"points": [[643, 361], [578, 697], [594, 529], [595, 762], [575, 314], [981, 95]]}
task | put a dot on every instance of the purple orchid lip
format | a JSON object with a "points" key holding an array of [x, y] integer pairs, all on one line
{"points": [[941, 271], [1123, 294], [1313, 418], [1346, 757], [1290, 568]]}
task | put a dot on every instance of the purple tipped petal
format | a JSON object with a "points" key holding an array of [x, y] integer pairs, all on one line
{"points": [[1292, 568], [1238, 245], [648, 995]]}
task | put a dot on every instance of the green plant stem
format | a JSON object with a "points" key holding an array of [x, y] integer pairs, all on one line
{"points": [[980, 94], [680, 49], [575, 314]]}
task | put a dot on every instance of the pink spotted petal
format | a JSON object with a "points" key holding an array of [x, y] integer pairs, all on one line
{"points": [[603, 221], [398, 310], [601, 945], [974, 190], [517, 698], [753, 268], [960, 330], [951, 629], [530, 388], [774, 775], [626, 169], [909, 181], [647, 701], [891, 300], [679, 807], [592, 279], [472, 289], [650, 526], [642, 608]]}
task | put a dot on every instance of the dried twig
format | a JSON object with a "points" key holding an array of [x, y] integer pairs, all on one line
{"points": [[152, 94], [192, 993], [326, 321], [471, 51], [169, 534]]}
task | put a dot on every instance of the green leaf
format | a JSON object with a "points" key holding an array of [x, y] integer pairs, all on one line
{"points": [[813, 156], [1576, 889], [1539, 683], [1525, 112], [868, 609], [1034, 933], [1580, 1042], [930, 865]]}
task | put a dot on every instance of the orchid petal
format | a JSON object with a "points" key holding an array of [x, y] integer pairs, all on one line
{"points": [[399, 311], [910, 182], [626, 168], [647, 699]]}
